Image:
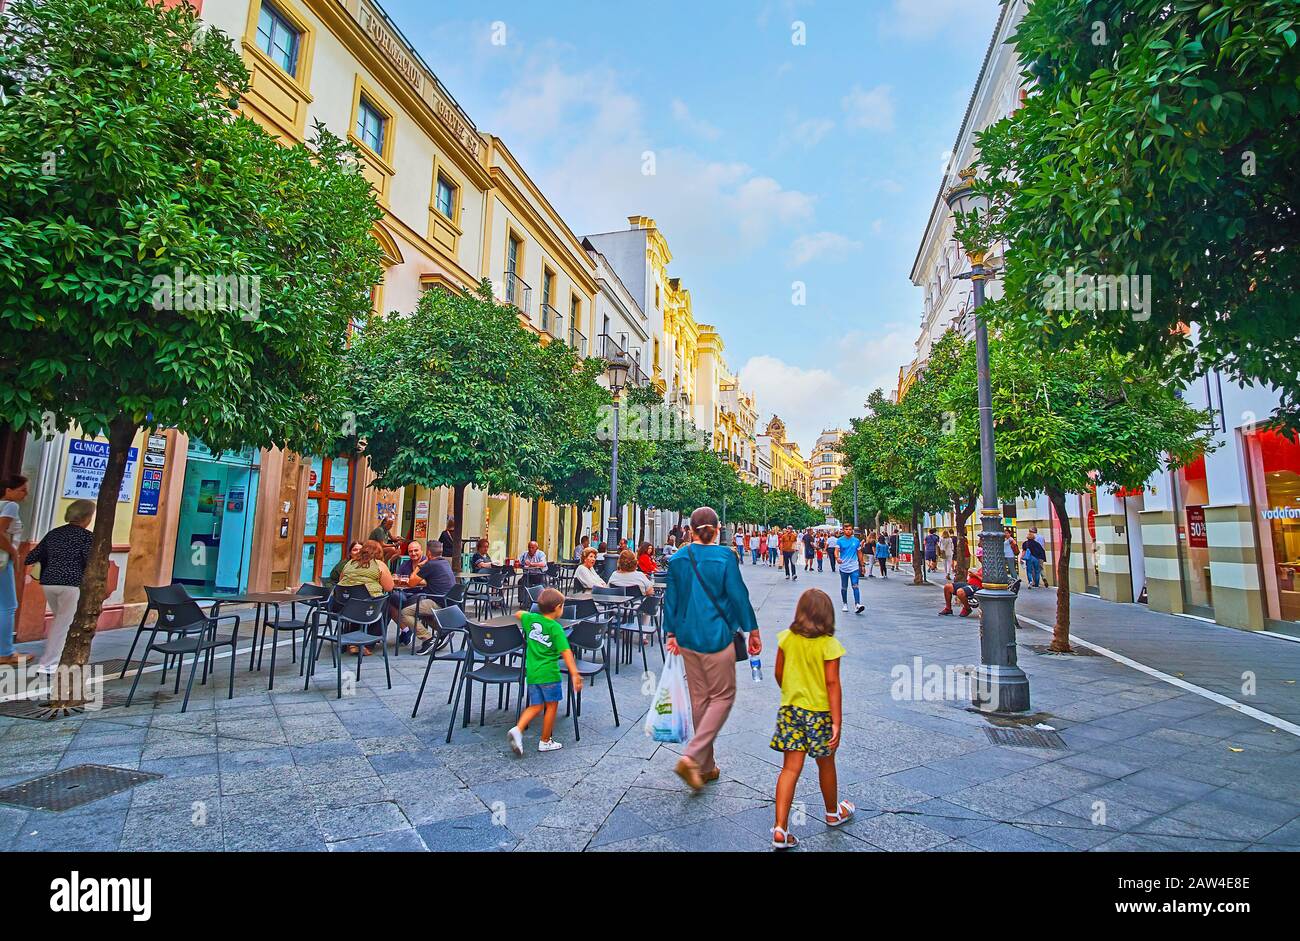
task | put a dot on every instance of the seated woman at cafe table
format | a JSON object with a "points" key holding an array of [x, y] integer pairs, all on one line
{"points": [[645, 559], [369, 570], [354, 552], [586, 574], [480, 561], [629, 576]]}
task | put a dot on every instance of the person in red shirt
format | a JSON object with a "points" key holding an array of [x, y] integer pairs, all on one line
{"points": [[963, 592], [645, 559]]}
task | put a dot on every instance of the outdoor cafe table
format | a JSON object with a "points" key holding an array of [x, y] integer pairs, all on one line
{"points": [[262, 600]]}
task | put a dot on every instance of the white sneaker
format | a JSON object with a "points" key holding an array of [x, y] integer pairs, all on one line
{"points": [[551, 745], [861, 608], [516, 742], [844, 607]]}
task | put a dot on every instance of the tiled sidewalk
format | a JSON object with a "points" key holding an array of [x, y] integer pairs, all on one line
{"points": [[304, 771]]}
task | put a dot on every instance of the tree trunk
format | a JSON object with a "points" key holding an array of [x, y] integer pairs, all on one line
{"points": [[1061, 629], [918, 557], [643, 539], [963, 542], [94, 584], [457, 524]]}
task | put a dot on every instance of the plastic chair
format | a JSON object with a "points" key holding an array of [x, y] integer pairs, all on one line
{"points": [[310, 596], [492, 646], [589, 636], [198, 637], [348, 626], [162, 594], [448, 623]]}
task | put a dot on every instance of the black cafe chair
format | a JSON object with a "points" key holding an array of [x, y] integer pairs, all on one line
{"points": [[493, 648], [448, 625], [310, 597], [590, 640], [349, 626], [162, 594], [191, 631]]}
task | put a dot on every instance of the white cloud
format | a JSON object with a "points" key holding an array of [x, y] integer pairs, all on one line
{"points": [[809, 133], [808, 248], [705, 206], [926, 19], [696, 125], [813, 398], [871, 108], [887, 186]]}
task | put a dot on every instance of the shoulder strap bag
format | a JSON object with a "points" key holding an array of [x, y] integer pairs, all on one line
{"points": [[738, 641]]}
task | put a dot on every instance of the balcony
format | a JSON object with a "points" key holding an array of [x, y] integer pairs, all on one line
{"points": [[578, 342], [551, 321], [518, 293], [608, 348]]}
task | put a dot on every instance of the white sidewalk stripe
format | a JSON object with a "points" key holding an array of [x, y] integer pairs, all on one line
{"points": [[1222, 700]]}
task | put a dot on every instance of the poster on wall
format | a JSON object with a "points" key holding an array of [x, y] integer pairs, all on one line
{"points": [[87, 461], [150, 488], [1197, 536], [210, 496], [422, 519]]}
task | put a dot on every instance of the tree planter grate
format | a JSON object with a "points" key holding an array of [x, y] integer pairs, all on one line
{"points": [[40, 709], [1024, 738], [73, 787]]}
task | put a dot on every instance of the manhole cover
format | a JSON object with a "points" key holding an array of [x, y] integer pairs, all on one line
{"points": [[1024, 738], [73, 787]]}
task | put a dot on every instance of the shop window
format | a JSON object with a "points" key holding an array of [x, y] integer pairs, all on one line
{"points": [[1191, 493], [1276, 477]]}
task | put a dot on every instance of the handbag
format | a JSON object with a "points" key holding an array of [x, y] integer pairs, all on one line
{"points": [[738, 641]]}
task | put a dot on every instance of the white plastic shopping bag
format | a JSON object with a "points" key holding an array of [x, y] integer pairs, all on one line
{"points": [[669, 718]]}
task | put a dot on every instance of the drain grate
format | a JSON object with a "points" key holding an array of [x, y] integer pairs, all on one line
{"points": [[73, 787], [40, 709], [1024, 738]]}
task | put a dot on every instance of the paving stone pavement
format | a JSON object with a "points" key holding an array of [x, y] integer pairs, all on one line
{"points": [[302, 770]]}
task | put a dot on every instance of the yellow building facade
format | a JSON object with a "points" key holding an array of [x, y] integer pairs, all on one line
{"points": [[790, 470]]}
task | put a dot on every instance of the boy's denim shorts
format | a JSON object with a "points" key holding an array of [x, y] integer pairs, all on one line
{"points": [[541, 693]]}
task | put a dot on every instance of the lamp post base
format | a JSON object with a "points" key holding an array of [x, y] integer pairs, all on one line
{"points": [[1000, 684]]}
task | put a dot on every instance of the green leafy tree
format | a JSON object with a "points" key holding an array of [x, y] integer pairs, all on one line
{"points": [[787, 508], [1159, 140], [1071, 421], [123, 169], [460, 394]]}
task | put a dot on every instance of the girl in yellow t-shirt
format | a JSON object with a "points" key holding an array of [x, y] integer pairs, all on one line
{"points": [[809, 721]]}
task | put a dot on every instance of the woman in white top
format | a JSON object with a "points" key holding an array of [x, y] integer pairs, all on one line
{"points": [[630, 576], [586, 574], [11, 537]]}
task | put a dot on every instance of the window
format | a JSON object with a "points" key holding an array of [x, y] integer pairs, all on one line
{"points": [[513, 283], [371, 125], [575, 312], [548, 285], [278, 39], [445, 200]]}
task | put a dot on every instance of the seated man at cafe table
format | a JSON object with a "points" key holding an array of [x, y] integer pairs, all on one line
{"points": [[406, 578], [480, 561], [534, 560], [436, 579]]}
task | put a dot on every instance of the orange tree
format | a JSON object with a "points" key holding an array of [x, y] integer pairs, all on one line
{"points": [[164, 263]]}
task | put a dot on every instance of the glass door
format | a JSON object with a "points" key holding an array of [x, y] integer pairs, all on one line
{"points": [[326, 517]]}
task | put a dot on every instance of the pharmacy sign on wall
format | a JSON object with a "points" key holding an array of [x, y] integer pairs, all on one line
{"points": [[87, 461]]}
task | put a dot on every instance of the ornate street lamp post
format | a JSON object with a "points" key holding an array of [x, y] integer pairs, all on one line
{"points": [[1000, 684], [616, 371]]}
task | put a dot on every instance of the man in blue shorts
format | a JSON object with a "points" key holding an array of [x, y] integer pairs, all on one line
{"points": [[849, 549]]}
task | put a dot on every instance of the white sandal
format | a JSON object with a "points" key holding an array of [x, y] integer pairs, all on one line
{"points": [[843, 814], [787, 840]]}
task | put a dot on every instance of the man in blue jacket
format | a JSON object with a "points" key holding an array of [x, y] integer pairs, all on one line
{"points": [[705, 603]]}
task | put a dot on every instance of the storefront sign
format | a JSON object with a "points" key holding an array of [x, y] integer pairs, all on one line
{"points": [[152, 459], [459, 129], [1196, 531], [157, 443], [87, 461], [1282, 513], [150, 490]]}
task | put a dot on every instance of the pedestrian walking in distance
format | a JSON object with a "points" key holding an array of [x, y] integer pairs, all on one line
{"points": [[809, 721], [849, 549], [705, 604]]}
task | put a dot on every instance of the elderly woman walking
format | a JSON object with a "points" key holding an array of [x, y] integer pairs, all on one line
{"points": [[62, 556], [706, 603]]}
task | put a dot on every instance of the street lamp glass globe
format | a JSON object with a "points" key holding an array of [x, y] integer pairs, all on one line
{"points": [[616, 372]]}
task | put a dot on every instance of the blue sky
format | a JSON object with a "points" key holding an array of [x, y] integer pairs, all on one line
{"points": [[774, 162]]}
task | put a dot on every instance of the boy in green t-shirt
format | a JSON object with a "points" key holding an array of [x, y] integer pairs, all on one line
{"points": [[545, 642]]}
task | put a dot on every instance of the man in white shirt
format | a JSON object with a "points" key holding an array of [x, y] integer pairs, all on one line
{"points": [[740, 545], [772, 543]]}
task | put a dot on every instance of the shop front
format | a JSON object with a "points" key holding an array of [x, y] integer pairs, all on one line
{"points": [[1275, 490], [1191, 494], [215, 521]]}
